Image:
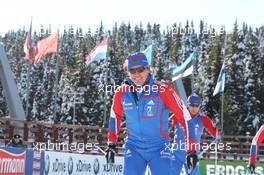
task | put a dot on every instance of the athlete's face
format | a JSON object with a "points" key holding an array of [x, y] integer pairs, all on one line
{"points": [[138, 75], [193, 108]]}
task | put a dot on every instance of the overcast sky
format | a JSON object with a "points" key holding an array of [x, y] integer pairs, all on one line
{"points": [[15, 14]]}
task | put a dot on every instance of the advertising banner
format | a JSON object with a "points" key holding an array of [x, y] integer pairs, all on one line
{"points": [[57, 163], [227, 168], [16, 161]]}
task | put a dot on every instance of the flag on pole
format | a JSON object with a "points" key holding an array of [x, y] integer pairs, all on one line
{"points": [[220, 86], [45, 46], [148, 54], [185, 69], [98, 53], [27, 45]]}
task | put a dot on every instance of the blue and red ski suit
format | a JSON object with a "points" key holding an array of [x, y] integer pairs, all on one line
{"points": [[256, 142], [200, 122], [147, 120]]}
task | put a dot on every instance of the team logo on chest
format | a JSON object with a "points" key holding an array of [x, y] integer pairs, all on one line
{"points": [[151, 102], [149, 111], [150, 106]]}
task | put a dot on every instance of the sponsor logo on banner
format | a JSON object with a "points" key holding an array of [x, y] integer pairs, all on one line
{"points": [[70, 165], [81, 164], [211, 169], [11, 163], [37, 155], [112, 168], [96, 166], [234, 167], [47, 164], [36, 165], [58, 166]]}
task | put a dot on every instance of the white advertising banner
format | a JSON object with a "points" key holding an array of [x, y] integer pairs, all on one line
{"points": [[58, 163]]}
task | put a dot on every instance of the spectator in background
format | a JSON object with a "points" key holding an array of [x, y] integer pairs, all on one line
{"points": [[16, 142]]}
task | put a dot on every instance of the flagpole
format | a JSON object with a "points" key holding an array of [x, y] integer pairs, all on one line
{"points": [[105, 98], [192, 86], [222, 97], [100, 48], [28, 70], [222, 112], [56, 89], [105, 93], [28, 88], [220, 89], [56, 79], [194, 70]]}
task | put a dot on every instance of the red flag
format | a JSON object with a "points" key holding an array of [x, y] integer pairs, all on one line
{"points": [[45, 46], [27, 45]]}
